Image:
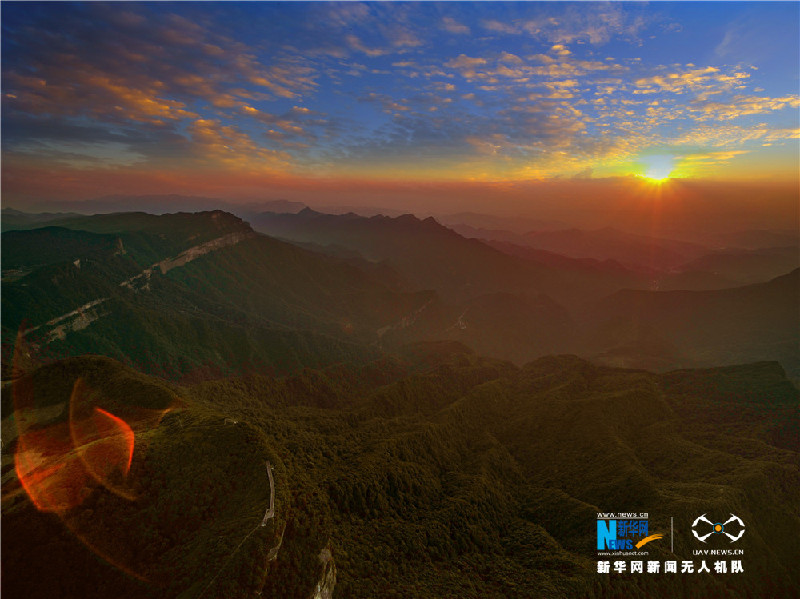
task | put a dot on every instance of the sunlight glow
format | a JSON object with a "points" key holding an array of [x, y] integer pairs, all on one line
{"points": [[658, 168]]}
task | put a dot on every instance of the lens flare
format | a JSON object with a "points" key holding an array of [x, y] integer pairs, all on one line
{"points": [[43, 477], [56, 464], [103, 442], [70, 451]]}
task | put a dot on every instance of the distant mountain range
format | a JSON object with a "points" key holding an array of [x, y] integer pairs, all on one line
{"points": [[153, 203], [427, 254], [748, 265], [478, 281], [726, 326], [358, 286]]}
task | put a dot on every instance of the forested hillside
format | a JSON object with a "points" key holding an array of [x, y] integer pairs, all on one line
{"points": [[436, 474]]}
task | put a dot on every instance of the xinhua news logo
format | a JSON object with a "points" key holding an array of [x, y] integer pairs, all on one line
{"points": [[623, 532]]}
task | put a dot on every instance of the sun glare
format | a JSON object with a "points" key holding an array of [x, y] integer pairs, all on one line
{"points": [[654, 178], [658, 168]]}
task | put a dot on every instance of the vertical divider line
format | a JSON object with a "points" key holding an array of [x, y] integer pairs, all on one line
{"points": [[671, 546]]}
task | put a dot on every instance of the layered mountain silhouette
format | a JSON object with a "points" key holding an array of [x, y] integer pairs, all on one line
{"points": [[748, 266], [723, 260], [427, 254], [726, 326], [176, 293], [639, 252], [599, 303]]}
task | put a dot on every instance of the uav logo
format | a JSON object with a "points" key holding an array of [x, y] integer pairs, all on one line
{"points": [[702, 524]]}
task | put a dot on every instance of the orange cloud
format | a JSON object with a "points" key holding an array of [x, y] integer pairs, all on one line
{"points": [[232, 147], [708, 79], [745, 105]]}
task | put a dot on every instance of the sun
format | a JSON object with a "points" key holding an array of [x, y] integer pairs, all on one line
{"points": [[658, 174], [654, 178], [658, 168]]}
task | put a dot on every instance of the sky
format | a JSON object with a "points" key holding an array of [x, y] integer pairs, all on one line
{"points": [[379, 101]]}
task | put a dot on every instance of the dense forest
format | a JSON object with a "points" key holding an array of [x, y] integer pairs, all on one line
{"points": [[436, 473]]}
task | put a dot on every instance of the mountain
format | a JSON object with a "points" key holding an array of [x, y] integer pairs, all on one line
{"points": [[561, 261], [473, 221], [641, 253], [24, 251], [727, 326], [151, 203], [635, 251], [435, 474], [508, 326], [426, 254], [374, 409], [490, 235], [184, 294], [12, 219], [748, 266], [499, 304], [597, 277], [174, 293], [754, 239]]}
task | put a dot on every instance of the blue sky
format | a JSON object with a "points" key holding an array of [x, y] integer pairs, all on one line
{"points": [[436, 91]]}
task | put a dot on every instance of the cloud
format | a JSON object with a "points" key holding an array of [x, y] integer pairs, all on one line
{"points": [[499, 27], [529, 93], [402, 37], [701, 161], [86, 90], [450, 25], [510, 58], [110, 70], [465, 62], [493, 69], [122, 74], [344, 14], [595, 23], [729, 135], [705, 81], [388, 104], [355, 43], [226, 144], [80, 154], [741, 105]]}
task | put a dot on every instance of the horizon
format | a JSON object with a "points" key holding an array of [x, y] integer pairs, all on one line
{"points": [[679, 208], [536, 110]]}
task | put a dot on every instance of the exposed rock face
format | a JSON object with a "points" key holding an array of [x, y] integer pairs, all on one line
{"points": [[141, 281], [324, 588], [82, 317], [204, 248]]}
